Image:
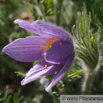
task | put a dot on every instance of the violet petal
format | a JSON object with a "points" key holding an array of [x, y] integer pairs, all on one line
{"points": [[59, 52], [44, 29], [31, 76], [53, 30], [25, 49], [61, 73], [38, 67], [32, 28]]}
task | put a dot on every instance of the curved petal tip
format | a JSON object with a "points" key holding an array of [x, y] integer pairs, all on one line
{"points": [[48, 89], [17, 20]]}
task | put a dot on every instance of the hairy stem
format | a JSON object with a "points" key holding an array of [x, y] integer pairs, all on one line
{"points": [[88, 82]]}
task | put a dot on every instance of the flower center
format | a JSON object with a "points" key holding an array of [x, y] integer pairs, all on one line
{"points": [[49, 43]]}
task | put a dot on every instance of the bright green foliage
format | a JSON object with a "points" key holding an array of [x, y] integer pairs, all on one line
{"points": [[20, 74], [87, 49], [35, 62], [75, 73], [86, 41]]}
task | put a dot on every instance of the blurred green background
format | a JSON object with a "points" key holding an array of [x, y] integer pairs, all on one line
{"points": [[59, 12]]}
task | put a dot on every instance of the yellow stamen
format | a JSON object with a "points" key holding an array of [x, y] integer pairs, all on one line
{"points": [[49, 43], [45, 67], [61, 43]]}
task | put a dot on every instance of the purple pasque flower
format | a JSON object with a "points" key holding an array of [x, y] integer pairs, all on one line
{"points": [[53, 48]]}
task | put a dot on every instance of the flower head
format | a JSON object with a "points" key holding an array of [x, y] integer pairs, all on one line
{"points": [[53, 48]]}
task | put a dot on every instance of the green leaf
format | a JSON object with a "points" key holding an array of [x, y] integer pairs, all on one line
{"points": [[75, 74], [20, 74]]}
